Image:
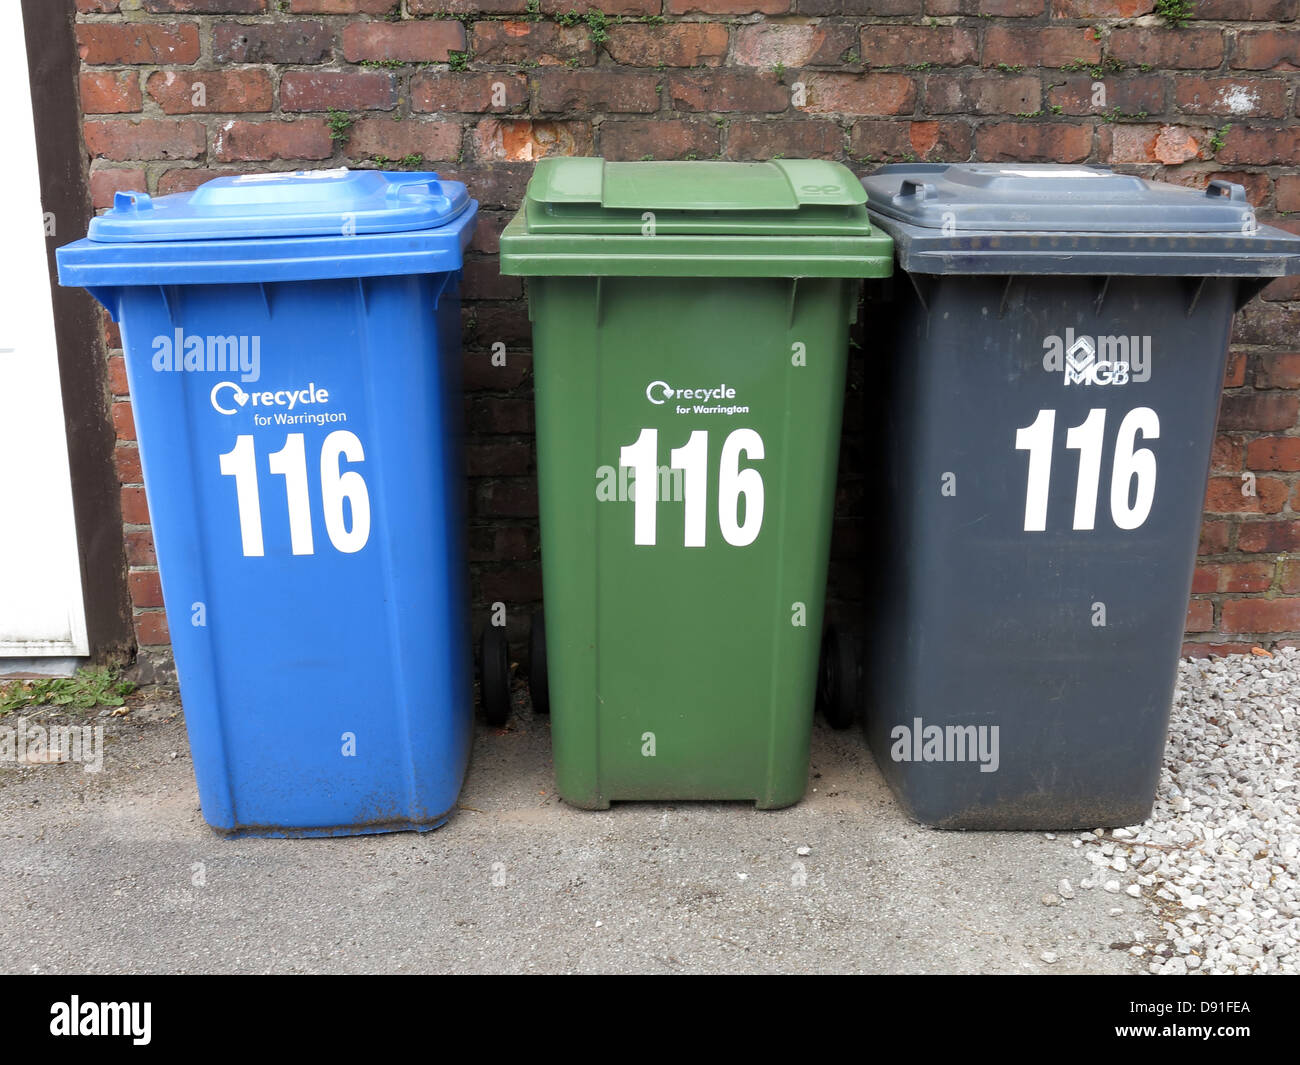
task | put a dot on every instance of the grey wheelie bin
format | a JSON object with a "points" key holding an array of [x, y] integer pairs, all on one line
{"points": [[1051, 355]]}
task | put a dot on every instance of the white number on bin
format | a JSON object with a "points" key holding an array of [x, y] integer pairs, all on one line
{"points": [[692, 458], [1087, 439], [290, 462]]}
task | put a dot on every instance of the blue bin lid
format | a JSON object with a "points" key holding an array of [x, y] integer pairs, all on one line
{"points": [[302, 203], [307, 225], [1027, 218]]}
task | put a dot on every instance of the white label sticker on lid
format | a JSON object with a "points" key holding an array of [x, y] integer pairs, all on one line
{"points": [[1066, 172], [285, 175]]}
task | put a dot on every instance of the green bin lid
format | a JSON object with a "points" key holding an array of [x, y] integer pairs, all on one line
{"points": [[785, 218]]}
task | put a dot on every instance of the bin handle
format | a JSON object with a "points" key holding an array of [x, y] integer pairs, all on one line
{"points": [[920, 189], [399, 189], [1219, 188], [131, 202]]}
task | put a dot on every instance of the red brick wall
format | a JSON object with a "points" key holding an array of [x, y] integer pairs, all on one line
{"points": [[884, 80]]}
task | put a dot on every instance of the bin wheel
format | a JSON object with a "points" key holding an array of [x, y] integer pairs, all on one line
{"points": [[495, 676], [537, 681], [839, 685]]}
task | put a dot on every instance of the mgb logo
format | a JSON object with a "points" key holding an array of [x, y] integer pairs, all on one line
{"points": [[1103, 360]]}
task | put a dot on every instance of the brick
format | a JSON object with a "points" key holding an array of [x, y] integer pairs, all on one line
{"points": [[731, 90], [631, 139], [995, 8], [1243, 578], [608, 7], [1234, 373], [342, 7], [1274, 453], [123, 418], [681, 45], [497, 460], [1200, 616], [894, 45], [981, 94], [1228, 453], [484, 281], [433, 139], [873, 140], [500, 416], [765, 44], [1246, 10], [117, 385], [1166, 48], [507, 498], [151, 629], [110, 93], [1267, 50], [1101, 8], [480, 375], [1128, 95], [1269, 537], [98, 7], [1052, 46], [467, 7], [499, 186], [511, 543], [145, 588], [1149, 143], [1273, 325], [146, 138], [238, 141], [187, 178], [1264, 411], [545, 43], [515, 584], [1260, 145], [1223, 495], [1278, 370], [790, 138], [117, 43], [1290, 582], [105, 184], [135, 509], [1212, 650], [1284, 288], [728, 7], [468, 92], [298, 43], [347, 90], [112, 335], [410, 42], [1046, 142], [139, 547], [206, 7], [126, 460], [1215, 536], [597, 90], [1287, 192], [1260, 615], [526, 140], [219, 90], [866, 94], [1240, 97]]}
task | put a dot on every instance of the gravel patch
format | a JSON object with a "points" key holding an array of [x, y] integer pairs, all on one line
{"points": [[1220, 857]]}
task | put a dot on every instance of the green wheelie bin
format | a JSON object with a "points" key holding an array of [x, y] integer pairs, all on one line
{"points": [[690, 333]]}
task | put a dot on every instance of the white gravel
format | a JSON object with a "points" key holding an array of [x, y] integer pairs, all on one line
{"points": [[1219, 858]]}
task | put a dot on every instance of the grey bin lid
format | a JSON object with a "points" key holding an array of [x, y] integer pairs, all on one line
{"points": [[1027, 218]]}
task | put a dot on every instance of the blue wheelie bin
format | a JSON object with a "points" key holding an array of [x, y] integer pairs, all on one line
{"points": [[292, 344]]}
